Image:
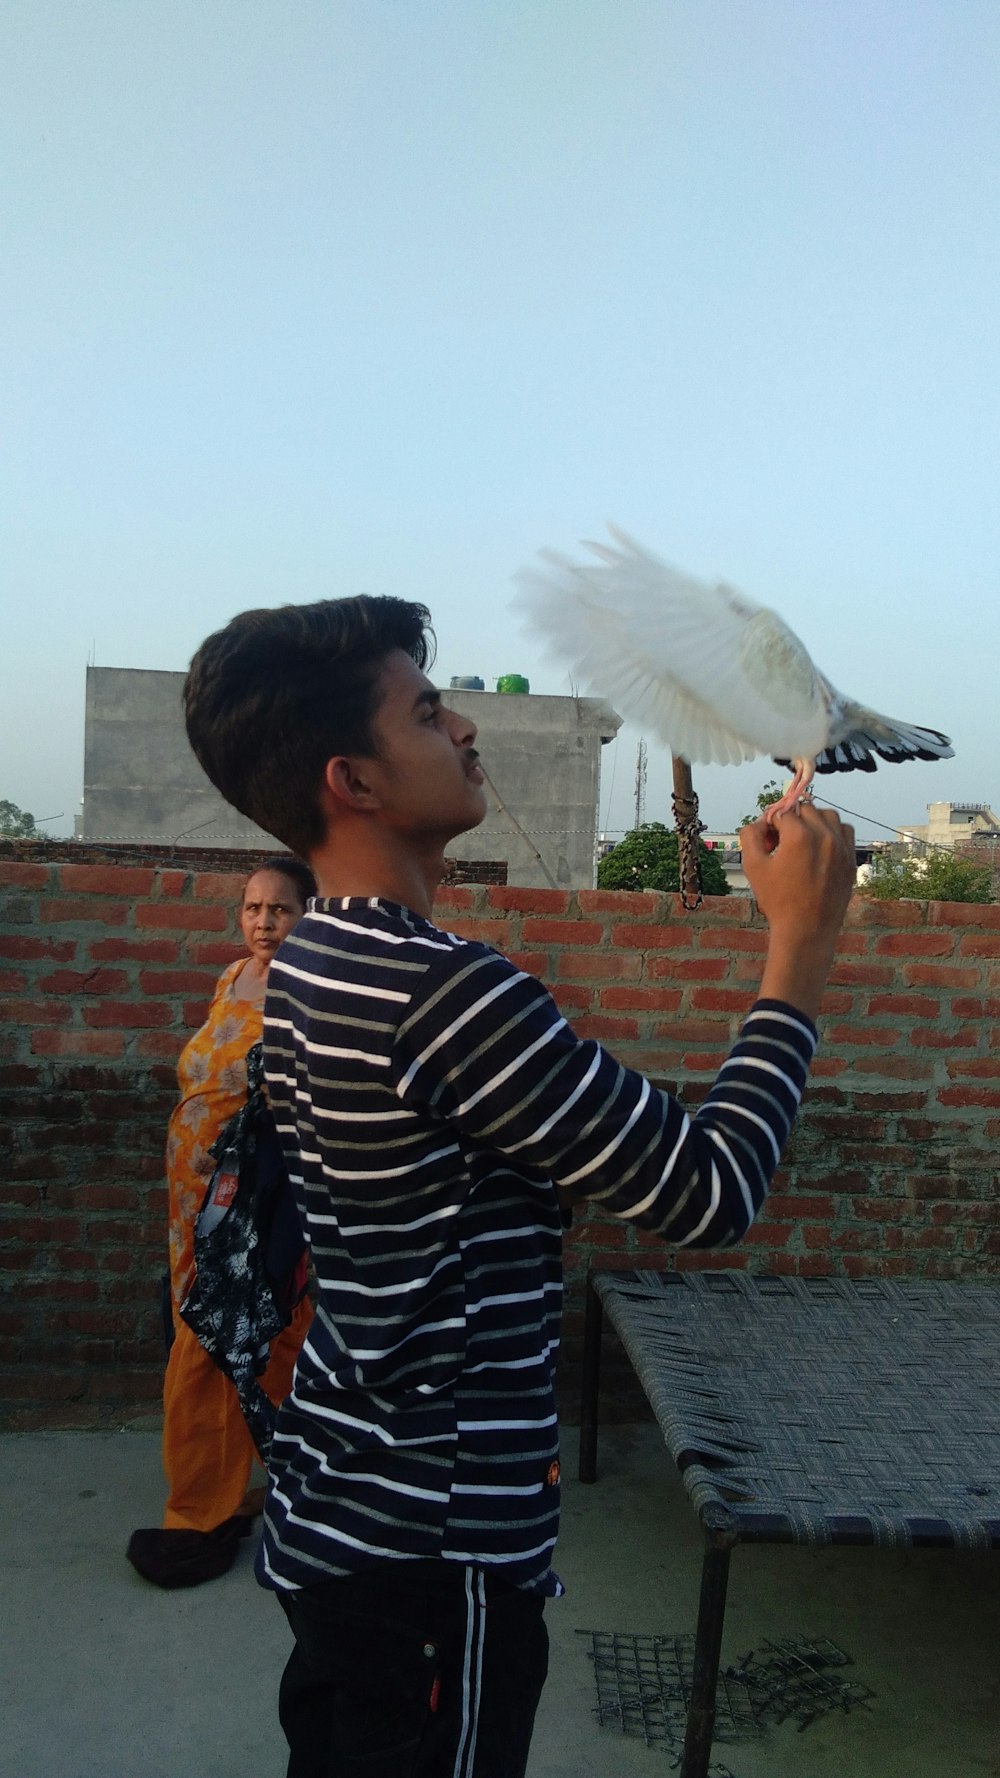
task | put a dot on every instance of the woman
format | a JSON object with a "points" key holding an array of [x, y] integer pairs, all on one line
{"points": [[207, 1450]]}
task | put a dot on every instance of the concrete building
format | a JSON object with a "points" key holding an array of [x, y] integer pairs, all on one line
{"points": [[543, 755], [952, 824]]}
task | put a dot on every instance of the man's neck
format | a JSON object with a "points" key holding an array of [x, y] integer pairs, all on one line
{"points": [[409, 876]]}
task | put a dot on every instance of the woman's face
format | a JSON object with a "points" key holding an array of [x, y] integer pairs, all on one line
{"points": [[271, 906]]}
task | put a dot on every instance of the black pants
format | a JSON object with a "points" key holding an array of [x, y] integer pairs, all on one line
{"points": [[412, 1670]]}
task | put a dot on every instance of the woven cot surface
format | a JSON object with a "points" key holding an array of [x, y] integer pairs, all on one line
{"points": [[867, 1411]]}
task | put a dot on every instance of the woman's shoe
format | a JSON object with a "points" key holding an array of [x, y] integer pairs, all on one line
{"points": [[185, 1558]]}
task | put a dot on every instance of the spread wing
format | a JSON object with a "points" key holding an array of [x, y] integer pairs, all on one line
{"points": [[716, 677], [856, 734]]}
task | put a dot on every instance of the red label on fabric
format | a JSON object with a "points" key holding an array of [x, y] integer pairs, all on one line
{"points": [[224, 1189]]}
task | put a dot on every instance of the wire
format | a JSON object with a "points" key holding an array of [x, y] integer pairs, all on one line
{"points": [[931, 845]]}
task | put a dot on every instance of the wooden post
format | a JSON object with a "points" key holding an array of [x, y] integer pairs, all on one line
{"points": [[685, 805]]}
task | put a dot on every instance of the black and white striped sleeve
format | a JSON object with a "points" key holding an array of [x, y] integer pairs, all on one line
{"points": [[484, 1048]]}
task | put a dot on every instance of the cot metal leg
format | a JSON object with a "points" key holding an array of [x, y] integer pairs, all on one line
{"points": [[590, 1385], [719, 1540]]}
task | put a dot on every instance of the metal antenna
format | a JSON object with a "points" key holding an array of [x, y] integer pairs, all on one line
{"points": [[640, 784]]}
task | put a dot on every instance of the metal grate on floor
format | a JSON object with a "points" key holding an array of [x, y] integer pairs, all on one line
{"points": [[644, 1687]]}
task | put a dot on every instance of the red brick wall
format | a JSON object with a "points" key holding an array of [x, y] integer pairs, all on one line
{"points": [[105, 967]]}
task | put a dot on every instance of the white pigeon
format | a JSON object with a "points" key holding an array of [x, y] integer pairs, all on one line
{"points": [[718, 678]]}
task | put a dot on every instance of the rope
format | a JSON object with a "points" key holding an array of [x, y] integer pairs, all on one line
{"points": [[688, 827]]}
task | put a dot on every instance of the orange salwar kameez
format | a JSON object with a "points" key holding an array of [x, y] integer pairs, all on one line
{"points": [[207, 1449]]}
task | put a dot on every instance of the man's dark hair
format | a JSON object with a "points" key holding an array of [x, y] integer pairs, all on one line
{"points": [[273, 696]]}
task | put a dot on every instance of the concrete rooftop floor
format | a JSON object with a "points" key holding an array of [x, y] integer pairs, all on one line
{"points": [[103, 1676]]}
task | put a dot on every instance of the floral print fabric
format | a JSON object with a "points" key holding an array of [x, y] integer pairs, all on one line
{"points": [[212, 1075]]}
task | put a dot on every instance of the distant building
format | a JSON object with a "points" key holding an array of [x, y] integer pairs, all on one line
{"points": [[727, 847], [952, 824], [543, 755]]}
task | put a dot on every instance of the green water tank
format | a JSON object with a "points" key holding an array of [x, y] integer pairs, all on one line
{"points": [[512, 682]]}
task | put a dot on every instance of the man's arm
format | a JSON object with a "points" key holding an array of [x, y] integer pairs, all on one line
{"points": [[484, 1049]]}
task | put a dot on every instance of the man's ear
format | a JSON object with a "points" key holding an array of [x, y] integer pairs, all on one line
{"points": [[346, 781]]}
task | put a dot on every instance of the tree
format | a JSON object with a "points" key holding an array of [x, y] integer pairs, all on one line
{"points": [[647, 858], [17, 824], [938, 877], [771, 793]]}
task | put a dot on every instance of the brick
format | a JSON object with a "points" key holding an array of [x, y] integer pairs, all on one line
{"points": [[867, 1036], [570, 999], [128, 1015], [800, 1206], [15, 1077], [651, 938], [498, 933], [19, 910], [769, 1234], [865, 1129], [861, 975], [911, 1006], [978, 1067], [220, 885], [137, 950], [12, 981], [608, 1030], [107, 1196], [827, 1067], [852, 944], [735, 910], [979, 944], [686, 969], [865, 910], [965, 1038], [37, 950], [684, 1031], [448, 898], [968, 1096], [531, 962], [163, 1045], [915, 944], [723, 938], [562, 932], [58, 912], [967, 1006], [529, 901], [107, 879], [598, 966], [36, 1012], [84, 981], [964, 913], [177, 981], [939, 975], [855, 1240], [696, 1062], [882, 1102], [836, 1001], [930, 1185], [893, 1067], [219, 952], [77, 1043], [637, 904], [182, 918], [721, 1000], [17, 875], [641, 999]]}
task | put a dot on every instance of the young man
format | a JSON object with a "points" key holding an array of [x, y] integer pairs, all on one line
{"points": [[430, 1098]]}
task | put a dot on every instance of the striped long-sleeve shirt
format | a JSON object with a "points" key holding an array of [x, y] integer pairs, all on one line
{"points": [[428, 1095]]}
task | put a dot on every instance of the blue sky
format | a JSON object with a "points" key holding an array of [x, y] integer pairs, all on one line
{"points": [[306, 300]]}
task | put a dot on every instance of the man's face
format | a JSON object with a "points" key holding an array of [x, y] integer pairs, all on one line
{"points": [[425, 775]]}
